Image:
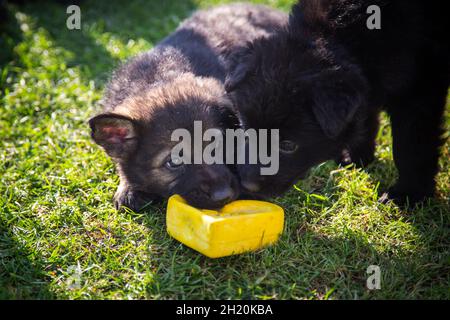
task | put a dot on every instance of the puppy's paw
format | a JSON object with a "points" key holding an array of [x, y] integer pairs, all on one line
{"points": [[344, 159], [404, 198], [360, 158], [132, 199]]}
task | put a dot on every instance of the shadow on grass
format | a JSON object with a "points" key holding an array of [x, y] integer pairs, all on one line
{"points": [[127, 21], [22, 274], [10, 36]]}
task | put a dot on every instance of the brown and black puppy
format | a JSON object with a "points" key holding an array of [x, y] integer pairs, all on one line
{"points": [[171, 86], [323, 80]]}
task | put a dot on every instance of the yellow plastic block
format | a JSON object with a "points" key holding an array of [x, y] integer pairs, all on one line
{"points": [[240, 226]]}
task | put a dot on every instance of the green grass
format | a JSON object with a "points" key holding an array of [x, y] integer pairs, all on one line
{"points": [[56, 185]]}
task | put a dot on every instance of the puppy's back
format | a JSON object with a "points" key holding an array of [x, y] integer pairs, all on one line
{"points": [[200, 45]]}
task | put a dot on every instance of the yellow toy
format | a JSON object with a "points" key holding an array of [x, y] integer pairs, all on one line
{"points": [[240, 226]]}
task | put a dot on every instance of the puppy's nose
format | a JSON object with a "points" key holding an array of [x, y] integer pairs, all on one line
{"points": [[222, 195], [250, 186]]}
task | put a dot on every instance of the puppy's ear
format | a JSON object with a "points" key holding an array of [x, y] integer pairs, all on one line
{"points": [[115, 133], [336, 98], [239, 65]]}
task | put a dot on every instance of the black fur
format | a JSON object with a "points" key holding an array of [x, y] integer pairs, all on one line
{"points": [[324, 79], [169, 87]]}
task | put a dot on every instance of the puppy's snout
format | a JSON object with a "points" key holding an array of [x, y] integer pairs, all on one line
{"points": [[250, 178], [224, 194], [251, 186], [218, 185]]}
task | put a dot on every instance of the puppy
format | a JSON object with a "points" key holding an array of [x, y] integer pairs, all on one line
{"points": [[171, 86], [323, 80]]}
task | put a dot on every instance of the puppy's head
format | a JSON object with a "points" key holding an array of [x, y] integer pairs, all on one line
{"points": [[137, 134], [300, 89]]}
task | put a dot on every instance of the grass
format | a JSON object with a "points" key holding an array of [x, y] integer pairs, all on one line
{"points": [[61, 238]]}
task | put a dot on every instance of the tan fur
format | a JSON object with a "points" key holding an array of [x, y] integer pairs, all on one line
{"points": [[186, 86]]}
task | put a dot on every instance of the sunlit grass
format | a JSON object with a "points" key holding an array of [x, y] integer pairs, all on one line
{"points": [[57, 223]]}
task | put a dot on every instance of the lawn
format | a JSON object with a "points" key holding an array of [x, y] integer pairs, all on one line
{"points": [[60, 236]]}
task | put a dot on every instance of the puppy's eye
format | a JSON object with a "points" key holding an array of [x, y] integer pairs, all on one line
{"points": [[174, 163], [287, 146]]}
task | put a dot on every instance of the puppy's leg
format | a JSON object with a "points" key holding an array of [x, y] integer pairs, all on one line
{"points": [[126, 196], [416, 131], [361, 149]]}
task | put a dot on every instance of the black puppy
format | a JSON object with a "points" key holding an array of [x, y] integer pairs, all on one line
{"points": [[323, 81], [176, 83]]}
